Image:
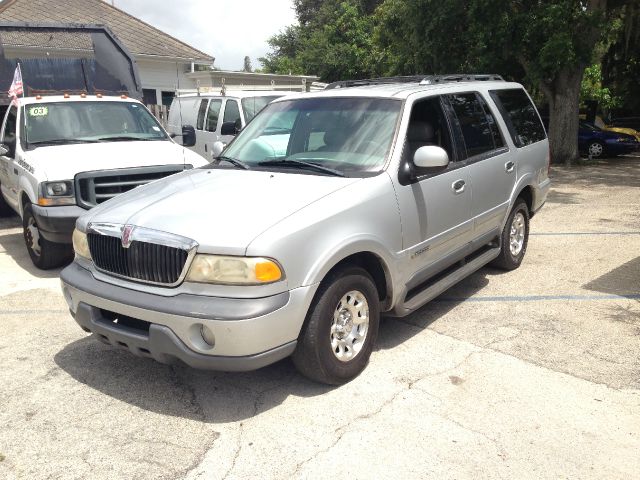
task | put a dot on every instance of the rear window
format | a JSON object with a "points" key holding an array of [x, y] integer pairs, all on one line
{"points": [[479, 129], [201, 112], [520, 116]]}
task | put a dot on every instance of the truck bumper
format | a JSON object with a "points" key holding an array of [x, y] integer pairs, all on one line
{"points": [[56, 224], [242, 333]]}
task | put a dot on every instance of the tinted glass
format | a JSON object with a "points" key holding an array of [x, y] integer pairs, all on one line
{"points": [[476, 130], [10, 128], [212, 115], [352, 135], [201, 113], [520, 116], [231, 111]]}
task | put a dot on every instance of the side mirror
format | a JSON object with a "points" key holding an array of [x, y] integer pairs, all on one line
{"points": [[4, 150], [216, 149], [188, 136], [228, 128], [430, 156]]}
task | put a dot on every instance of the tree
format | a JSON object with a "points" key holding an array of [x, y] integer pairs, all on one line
{"points": [[247, 65], [550, 41]]}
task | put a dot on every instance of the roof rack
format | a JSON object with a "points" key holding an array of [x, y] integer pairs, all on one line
{"points": [[419, 79]]}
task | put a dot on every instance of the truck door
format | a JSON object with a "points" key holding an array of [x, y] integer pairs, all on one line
{"points": [[435, 204], [8, 166], [211, 126]]}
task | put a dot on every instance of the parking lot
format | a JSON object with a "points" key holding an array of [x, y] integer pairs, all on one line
{"points": [[529, 374]]}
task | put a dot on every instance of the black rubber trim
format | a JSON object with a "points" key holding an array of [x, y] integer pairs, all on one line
{"points": [[161, 344], [185, 305], [56, 224]]}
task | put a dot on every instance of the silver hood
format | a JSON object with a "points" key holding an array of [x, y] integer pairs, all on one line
{"points": [[223, 210]]}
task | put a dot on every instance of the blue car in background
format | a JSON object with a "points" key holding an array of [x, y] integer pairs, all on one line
{"points": [[597, 142]]}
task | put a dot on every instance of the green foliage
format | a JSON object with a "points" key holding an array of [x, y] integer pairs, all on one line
{"points": [[592, 89]]}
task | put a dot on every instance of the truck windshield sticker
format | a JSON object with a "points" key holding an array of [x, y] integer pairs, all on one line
{"points": [[40, 111]]}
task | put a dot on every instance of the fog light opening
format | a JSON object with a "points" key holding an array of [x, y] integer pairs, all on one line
{"points": [[207, 335]]}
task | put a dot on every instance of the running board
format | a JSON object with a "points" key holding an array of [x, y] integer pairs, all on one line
{"points": [[432, 290]]}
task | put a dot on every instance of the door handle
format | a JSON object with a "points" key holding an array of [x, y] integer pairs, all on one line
{"points": [[205, 147], [509, 166], [458, 186], [15, 170]]}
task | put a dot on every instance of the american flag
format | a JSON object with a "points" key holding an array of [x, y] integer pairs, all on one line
{"points": [[16, 86]]}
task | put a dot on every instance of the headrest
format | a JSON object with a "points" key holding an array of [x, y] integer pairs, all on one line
{"points": [[420, 132]]}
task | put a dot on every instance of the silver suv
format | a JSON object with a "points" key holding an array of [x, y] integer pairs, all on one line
{"points": [[327, 211]]}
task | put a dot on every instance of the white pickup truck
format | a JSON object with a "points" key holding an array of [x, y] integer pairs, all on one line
{"points": [[62, 155]]}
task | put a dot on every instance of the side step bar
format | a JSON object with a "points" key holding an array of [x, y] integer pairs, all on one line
{"points": [[432, 290]]}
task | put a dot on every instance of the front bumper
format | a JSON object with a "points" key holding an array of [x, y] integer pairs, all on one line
{"points": [[249, 333], [56, 224]]}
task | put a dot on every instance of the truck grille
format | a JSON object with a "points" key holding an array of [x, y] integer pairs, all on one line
{"points": [[147, 262], [93, 188]]}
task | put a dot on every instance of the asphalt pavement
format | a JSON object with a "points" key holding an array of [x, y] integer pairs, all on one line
{"points": [[529, 374]]}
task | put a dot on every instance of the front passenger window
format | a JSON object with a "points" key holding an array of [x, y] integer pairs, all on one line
{"points": [[427, 126]]}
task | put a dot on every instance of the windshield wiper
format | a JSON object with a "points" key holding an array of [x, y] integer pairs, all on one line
{"points": [[123, 138], [234, 162], [293, 163], [61, 141]]}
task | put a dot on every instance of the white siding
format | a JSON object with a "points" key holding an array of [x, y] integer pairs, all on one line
{"points": [[163, 76]]}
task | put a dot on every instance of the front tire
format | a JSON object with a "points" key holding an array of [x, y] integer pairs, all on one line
{"points": [[515, 237], [44, 254], [341, 328]]}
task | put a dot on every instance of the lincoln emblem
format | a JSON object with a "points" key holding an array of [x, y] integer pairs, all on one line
{"points": [[127, 231]]}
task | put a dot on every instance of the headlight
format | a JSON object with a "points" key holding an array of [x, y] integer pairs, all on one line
{"points": [[57, 193], [80, 244], [233, 270]]}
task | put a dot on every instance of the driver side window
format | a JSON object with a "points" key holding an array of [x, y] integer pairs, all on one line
{"points": [[427, 126], [9, 132]]}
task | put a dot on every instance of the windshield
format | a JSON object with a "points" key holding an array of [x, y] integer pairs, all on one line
{"points": [[350, 135], [86, 122], [252, 105]]}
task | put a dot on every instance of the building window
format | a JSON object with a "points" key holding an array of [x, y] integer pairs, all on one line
{"points": [[149, 96]]}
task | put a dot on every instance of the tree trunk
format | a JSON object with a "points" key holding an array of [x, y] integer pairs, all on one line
{"points": [[564, 98]]}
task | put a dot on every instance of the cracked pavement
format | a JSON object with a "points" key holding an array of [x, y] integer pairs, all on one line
{"points": [[529, 374]]}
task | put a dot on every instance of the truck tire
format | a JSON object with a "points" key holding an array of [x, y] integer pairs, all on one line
{"points": [[515, 237], [341, 328], [44, 254]]}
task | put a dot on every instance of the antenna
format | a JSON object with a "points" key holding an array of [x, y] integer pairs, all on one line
{"points": [[184, 160]]}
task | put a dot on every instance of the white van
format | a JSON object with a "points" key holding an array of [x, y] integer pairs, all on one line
{"points": [[216, 117]]}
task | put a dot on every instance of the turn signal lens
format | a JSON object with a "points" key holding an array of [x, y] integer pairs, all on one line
{"points": [[80, 244], [233, 270]]}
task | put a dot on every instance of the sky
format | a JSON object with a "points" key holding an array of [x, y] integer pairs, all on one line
{"points": [[225, 29]]}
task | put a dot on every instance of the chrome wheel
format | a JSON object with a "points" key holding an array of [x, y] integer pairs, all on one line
{"points": [[33, 236], [595, 149], [350, 325], [516, 234]]}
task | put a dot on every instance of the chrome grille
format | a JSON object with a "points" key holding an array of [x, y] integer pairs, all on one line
{"points": [[93, 188], [144, 261]]}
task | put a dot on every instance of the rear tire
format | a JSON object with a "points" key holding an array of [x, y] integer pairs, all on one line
{"points": [[514, 238], [341, 328], [44, 254]]}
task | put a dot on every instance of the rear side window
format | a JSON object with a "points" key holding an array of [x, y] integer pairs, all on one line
{"points": [[212, 115], [201, 112], [520, 116], [231, 111], [478, 125]]}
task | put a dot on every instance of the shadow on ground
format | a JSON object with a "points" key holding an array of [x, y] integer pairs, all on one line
{"points": [[624, 279], [13, 245], [214, 397], [612, 172]]}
